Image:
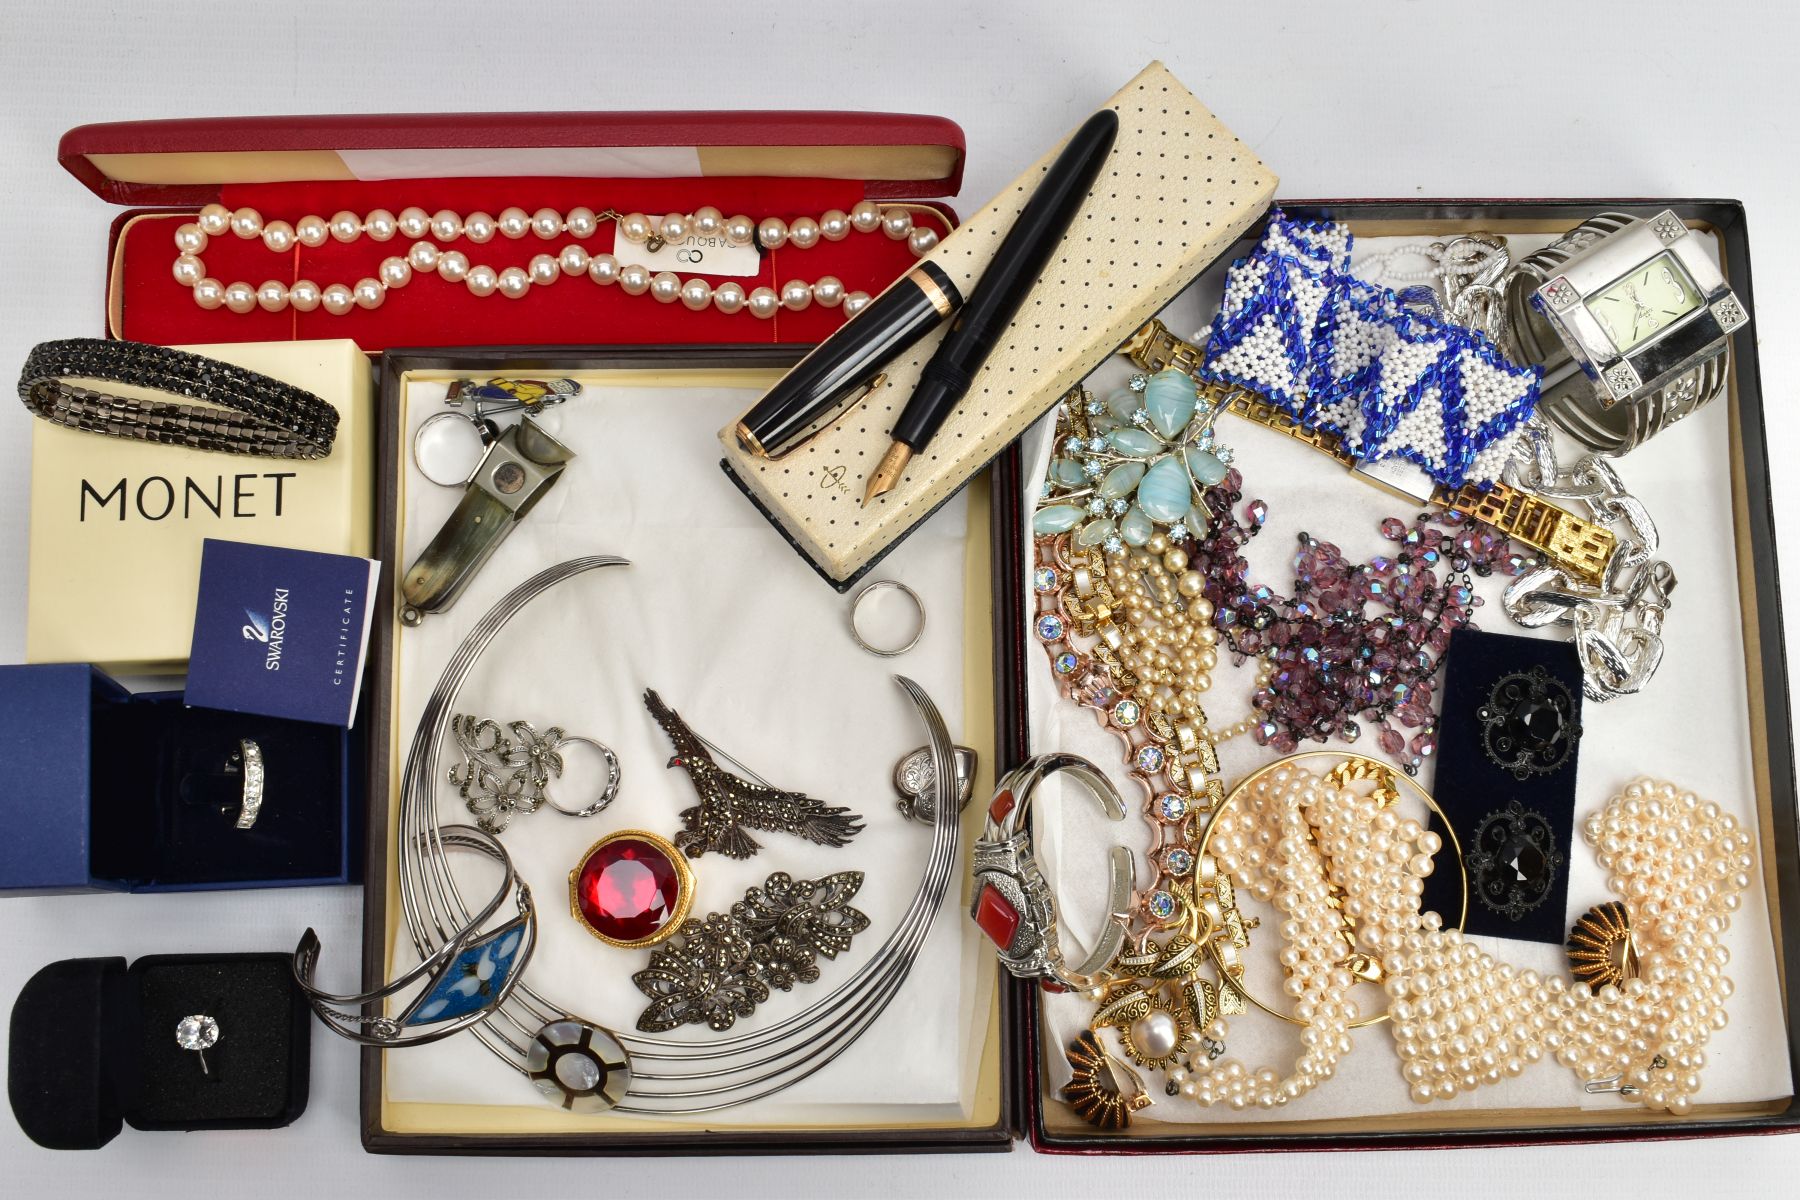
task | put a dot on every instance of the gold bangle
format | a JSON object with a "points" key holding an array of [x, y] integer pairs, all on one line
{"points": [[1350, 768]]}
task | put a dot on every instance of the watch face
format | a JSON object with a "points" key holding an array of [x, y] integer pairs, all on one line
{"points": [[1642, 304]]}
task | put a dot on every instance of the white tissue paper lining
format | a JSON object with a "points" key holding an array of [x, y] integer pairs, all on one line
{"points": [[741, 638], [1689, 726]]}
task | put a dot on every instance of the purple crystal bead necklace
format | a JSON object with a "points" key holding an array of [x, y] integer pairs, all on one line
{"points": [[1353, 640]]}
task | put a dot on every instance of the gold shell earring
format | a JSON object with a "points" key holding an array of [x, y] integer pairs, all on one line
{"points": [[1602, 950], [1096, 1093]]}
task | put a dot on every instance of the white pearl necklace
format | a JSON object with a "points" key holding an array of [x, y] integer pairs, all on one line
{"points": [[426, 255], [1325, 856], [1462, 1018]]}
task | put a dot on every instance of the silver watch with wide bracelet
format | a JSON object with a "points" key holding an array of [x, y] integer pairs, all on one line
{"points": [[1630, 320]]}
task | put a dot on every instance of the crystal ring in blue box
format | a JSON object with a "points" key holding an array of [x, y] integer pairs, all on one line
{"points": [[249, 760]]}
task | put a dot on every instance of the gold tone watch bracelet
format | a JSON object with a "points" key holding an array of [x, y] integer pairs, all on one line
{"points": [[1579, 547]]}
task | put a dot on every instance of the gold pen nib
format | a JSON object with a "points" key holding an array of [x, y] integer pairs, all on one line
{"points": [[887, 472]]}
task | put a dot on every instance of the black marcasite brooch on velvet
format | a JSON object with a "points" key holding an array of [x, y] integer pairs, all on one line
{"points": [[1529, 724], [1514, 860]]}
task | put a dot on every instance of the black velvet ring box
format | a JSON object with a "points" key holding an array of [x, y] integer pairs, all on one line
{"points": [[92, 1047]]}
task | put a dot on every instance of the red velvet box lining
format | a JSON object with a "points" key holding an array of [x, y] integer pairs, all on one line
{"points": [[150, 306]]}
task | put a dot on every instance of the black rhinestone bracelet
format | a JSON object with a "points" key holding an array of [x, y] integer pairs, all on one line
{"points": [[239, 411]]}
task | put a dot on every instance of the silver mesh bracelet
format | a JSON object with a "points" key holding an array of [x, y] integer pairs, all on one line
{"points": [[238, 411]]}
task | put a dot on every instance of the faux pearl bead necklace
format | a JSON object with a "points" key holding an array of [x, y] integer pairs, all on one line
{"points": [[1460, 1018], [1322, 854], [1463, 1019], [426, 255], [1169, 638]]}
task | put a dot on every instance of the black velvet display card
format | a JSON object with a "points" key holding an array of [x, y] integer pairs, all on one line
{"points": [[1507, 748], [166, 794], [93, 1044]]}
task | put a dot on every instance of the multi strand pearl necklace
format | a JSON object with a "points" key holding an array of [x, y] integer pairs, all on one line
{"points": [[427, 255], [1330, 859], [1463, 1019], [1460, 1018]]}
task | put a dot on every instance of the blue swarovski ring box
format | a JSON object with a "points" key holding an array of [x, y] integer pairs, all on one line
{"points": [[111, 791]]}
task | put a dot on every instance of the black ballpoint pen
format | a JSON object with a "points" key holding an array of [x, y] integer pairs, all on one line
{"points": [[1004, 285]]}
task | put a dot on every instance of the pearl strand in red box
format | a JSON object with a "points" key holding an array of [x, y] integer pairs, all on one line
{"points": [[425, 255]]}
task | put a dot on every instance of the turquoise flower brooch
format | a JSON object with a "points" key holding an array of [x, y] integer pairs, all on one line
{"points": [[1132, 464]]}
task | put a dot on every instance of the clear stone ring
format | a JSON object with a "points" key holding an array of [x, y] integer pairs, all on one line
{"points": [[251, 756], [198, 1033]]}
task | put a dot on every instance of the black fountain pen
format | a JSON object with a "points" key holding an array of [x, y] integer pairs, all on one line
{"points": [[849, 360], [1008, 279]]}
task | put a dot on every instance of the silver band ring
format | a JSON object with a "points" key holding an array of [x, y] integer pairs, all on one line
{"points": [[856, 607], [250, 756], [607, 791]]}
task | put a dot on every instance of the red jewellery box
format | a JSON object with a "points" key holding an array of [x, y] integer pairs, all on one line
{"points": [[757, 164]]}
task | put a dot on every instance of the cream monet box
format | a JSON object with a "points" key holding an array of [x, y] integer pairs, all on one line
{"points": [[117, 525]]}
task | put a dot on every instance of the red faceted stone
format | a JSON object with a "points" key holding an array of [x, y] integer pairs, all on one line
{"points": [[1002, 806], [628, 889], [996, 916]]}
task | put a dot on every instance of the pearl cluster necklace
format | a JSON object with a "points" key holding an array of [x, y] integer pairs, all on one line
{"points": [[1346, 870], [1463, 1019], [426, 255], [1331, 859]]}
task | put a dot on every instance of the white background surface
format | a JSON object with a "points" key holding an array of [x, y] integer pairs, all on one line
{"points": [[1399, 99]]}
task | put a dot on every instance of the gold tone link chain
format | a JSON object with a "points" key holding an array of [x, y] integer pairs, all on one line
{"points": [[1581, 548], [1184, 745]]}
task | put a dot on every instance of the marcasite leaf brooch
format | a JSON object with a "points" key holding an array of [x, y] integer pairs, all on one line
{"points": [[719, 968]]}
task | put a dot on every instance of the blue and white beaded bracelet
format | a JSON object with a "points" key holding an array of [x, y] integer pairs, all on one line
{"points": [[1338, 354]]}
